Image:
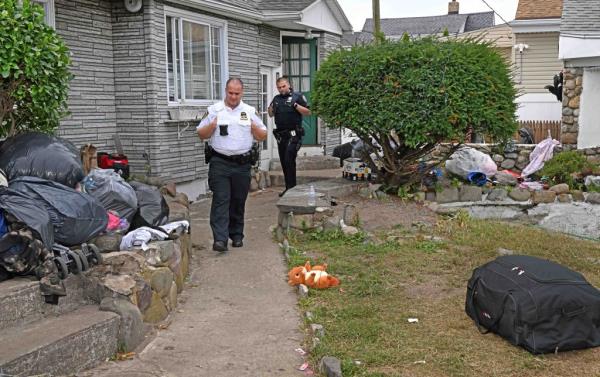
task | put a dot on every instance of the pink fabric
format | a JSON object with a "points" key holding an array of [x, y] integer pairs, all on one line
{"points": [[542, 153]]}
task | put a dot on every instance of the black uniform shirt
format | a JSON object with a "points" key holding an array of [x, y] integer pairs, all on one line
{"points": [[286, 116]]}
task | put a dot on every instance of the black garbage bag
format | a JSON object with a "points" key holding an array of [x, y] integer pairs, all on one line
{"points": [[77, 217], [19, 207], [112, 191], [44, 156], [152, 207]]}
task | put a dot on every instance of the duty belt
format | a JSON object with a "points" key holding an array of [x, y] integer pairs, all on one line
{"points": [[241, 159]]}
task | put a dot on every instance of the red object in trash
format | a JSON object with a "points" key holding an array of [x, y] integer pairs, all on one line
{"points": [[117, 162]]}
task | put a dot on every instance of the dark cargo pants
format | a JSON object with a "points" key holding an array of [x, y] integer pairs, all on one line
{"points": [[288, 147], [229, 183]]}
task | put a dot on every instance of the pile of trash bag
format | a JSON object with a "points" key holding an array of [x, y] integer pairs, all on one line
{"points": [[50, 210], [153, 209], [471, 165], [75, 216], [44, 156], [112, 191]]}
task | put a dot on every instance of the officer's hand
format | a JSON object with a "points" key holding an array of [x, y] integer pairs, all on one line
{"points": [[213, 124]]}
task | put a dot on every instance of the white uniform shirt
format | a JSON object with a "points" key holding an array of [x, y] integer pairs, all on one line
{"points": [[239, 140]]}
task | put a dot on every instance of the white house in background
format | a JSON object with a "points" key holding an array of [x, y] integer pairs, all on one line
{"points": [[535, 54], [580, 50]]}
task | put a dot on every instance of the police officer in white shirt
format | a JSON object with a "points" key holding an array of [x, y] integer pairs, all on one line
{"points": [[231, 126]]}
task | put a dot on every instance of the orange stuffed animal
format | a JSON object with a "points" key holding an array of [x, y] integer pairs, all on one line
{"points": [[314, 277]]}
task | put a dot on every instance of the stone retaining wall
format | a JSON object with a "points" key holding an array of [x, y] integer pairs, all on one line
{"points": [[516, 157], [146, 282]]}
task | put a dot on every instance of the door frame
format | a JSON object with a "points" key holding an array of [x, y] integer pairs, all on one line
{"points": [[266, 155], [297, 34]]}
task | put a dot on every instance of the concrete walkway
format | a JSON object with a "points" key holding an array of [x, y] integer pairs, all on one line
{"points": [[237, 315]]}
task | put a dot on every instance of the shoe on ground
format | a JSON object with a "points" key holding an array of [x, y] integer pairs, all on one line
{"points": [[282, 193], [220, 246], [237, 243]]}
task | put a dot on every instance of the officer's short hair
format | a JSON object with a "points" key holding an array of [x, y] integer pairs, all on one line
{"points": [[284, 78], [234, 79]]}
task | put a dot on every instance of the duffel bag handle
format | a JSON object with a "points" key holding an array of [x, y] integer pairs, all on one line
{"points": [[472, 303]]}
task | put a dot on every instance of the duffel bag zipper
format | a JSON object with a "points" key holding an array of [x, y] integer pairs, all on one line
{"points": [[535, 278]]}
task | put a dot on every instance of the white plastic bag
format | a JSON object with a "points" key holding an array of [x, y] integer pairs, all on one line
{"points": [[542, 153], [469, 160]]}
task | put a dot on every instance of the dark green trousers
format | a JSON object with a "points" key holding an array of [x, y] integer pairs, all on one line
{"points": [[229, 183]]}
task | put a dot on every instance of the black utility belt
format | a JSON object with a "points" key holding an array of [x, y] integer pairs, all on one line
{"points": [[241, 159], [292, 131]]}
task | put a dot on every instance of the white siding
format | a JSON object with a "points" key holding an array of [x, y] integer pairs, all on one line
{"points": [[538, 63]]}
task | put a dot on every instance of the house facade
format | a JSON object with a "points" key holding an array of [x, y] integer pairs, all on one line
{"points": [[580, 52], [145, 71], [535, 56]]}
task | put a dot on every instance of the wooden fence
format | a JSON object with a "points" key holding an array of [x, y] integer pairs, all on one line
{"points": [[539, 129]]}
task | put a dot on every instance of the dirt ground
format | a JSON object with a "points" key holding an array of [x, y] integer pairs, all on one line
{"points": [[387, 213]]}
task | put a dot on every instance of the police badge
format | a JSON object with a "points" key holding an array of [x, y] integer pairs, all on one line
{"points": [[244, 119]]}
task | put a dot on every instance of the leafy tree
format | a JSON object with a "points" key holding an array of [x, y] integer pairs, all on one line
{"points": [[403, 98], [34, 73]]}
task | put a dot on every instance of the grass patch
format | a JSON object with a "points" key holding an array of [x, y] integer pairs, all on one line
{"points": [[401, 275]]}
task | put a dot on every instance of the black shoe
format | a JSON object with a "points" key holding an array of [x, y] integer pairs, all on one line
{"points": [[220, 246], [237, 243], [282, 193]]}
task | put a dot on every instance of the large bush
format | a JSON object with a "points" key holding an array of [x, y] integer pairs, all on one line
{"points": [[405, 97], [34, 66]]}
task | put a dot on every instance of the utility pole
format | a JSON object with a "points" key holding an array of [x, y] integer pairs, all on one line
{"points": [[376, 21]]}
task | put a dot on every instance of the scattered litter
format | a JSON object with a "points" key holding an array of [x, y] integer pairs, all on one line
{"points": [[303, 367], [420, 362], [413, 320], [535, 186], [357, 362], [300, 351], [122, 356], [163, 326]]}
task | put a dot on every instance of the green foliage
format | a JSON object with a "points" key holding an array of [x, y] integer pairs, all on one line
{"points": [[411, 94], [564, 167], [34, 64]]}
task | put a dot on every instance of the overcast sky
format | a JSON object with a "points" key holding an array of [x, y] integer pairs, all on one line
{"points": [[359, 10]]}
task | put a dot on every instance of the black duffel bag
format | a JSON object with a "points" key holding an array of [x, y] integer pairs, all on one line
{"points": [[534, 303]]}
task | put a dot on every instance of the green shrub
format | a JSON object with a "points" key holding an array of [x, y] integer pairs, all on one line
{"points": [[409, 95], [565, 167], [34, 66]]}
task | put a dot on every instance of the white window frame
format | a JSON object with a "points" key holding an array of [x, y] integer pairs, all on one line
{"points": [[48, 6], [206, 21]]}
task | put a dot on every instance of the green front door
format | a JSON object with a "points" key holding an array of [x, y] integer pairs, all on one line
{"points": [[300, 65]]}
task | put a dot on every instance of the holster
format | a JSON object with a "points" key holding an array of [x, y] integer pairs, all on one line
{"points": [[208, 152], [255, 153]]}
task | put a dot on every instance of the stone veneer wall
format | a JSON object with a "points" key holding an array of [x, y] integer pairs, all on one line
{"points": [[572, 89]]}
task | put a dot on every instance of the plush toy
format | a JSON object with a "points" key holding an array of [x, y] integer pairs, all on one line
{"points": [[314, 277]]}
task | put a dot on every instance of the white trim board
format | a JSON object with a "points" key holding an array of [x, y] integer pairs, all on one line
{"points": [[546, 25]]}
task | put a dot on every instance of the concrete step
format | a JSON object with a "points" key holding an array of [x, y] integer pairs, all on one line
{"points": [[305, 176], [22, 300], [309, 163], [60, 345]]}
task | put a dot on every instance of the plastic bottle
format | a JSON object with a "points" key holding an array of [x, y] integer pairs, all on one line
{"points": [[312, 196]]}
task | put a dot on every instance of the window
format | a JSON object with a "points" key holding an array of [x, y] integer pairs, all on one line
{"points": [[195, 57], [263, 104], [48, 6]]}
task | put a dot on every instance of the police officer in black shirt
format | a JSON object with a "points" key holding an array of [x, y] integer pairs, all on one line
{"points": [[288, 107]]}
